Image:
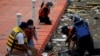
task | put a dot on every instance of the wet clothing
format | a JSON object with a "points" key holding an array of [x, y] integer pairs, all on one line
{"points": [[43, 15], [85, 43]]}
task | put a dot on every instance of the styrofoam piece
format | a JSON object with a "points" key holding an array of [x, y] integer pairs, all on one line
{"points": [[69, 14], [97, 11], [44, 54], [62, 20], [58, 44], [87, 20], [64, 36], [69, 19], [59, 39], [60, 27], [66, 18], [65, 24]]}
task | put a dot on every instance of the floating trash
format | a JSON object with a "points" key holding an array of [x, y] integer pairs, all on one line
{"points": [[66, 18], [44, 54], [60, 27], [62, 20], [60, 40], [87, 20], [64, 36]]}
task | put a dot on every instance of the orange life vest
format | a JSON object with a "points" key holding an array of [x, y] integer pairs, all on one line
{"points": [[29, 33], [42, 13]]}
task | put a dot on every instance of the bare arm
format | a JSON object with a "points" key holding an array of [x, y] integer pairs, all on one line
{"points": [[35, 34]]}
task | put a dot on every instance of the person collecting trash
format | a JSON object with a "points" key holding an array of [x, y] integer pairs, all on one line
{"points": [[84, 38], [30, 34], [71, 38]]}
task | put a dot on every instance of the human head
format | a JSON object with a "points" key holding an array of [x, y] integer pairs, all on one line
{"points": [[30, 23], [23, 25], [75, 17], [49, 4], [64, 29]]}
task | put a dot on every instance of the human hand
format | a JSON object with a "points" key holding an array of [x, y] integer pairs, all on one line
{"points": [[38, 42]]}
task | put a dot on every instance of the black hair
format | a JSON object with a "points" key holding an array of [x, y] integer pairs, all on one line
{"points": [[23, 25], [30, 22], [45, 10], [49, 4], [64, 29]]}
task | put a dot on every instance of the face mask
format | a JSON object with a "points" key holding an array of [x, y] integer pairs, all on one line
{"points": [[30, 26]]}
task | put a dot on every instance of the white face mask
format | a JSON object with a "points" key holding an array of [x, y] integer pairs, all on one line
{"points": [[30, 26]]}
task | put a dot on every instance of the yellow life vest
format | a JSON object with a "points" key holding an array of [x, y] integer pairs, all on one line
{"points": [[12, 42]]}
